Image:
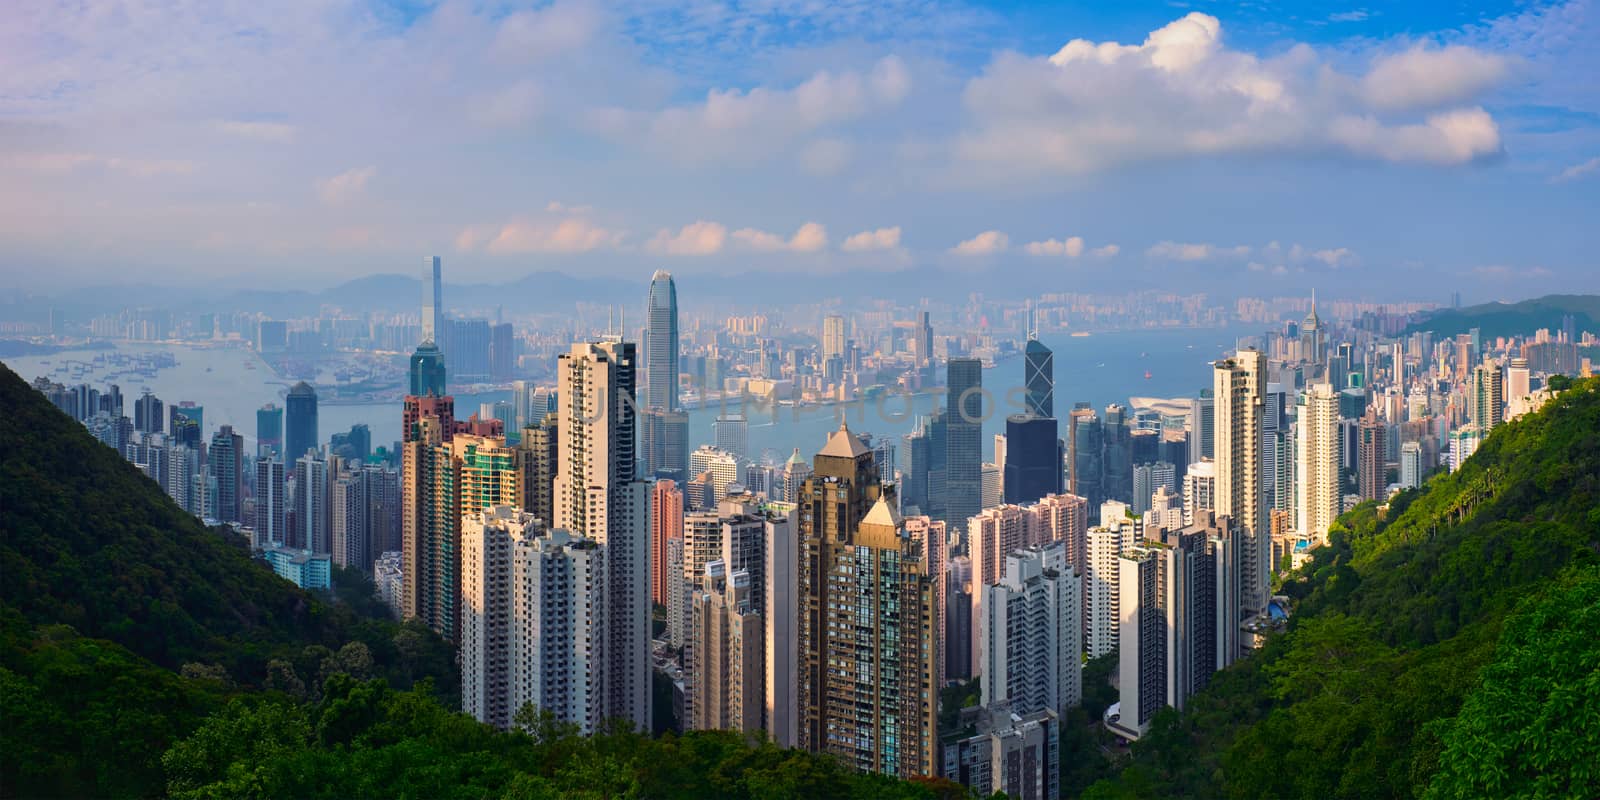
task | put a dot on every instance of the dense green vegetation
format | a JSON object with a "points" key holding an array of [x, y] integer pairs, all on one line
{"points": [[142, 655], [1513, 319], [1442, 647]]}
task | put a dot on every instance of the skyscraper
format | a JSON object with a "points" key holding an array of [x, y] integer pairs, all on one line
{"points": [[1177, 626], [269, 430], [312, 504], [726, 661], [1317, 457], [1084, 456], [1486, 397], [300, 422], [963, 440], [226, 460], [1032, 459], [1032, 633], [270, 503], [599, 496], [147, 414], [731, 432], [1239, 386], [432, 300], [1371, 458], [780, 617], [922, 342], [661, 344], [666, 522], [832, 336], [1038, 375], [1410, 465], [867, 600], [427, 373]]}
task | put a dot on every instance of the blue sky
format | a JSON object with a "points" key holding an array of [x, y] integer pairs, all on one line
{"points": [[1382, 150]]}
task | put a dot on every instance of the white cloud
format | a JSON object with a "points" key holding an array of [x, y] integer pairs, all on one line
{"points": [[571, 235], [544, 33], [1195, 251], [826, 156], [1183, 92], [1356, 15], [879, 239], [1423, 77], [345, 186], [262, 131], [746, 123], [1105, 252], [1576, 171], [810, 238], [1072, 247], [506, 107], [700, 238], [1335, 257], [986, 243]]}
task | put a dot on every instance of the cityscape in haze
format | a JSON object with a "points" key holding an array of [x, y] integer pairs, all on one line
{"points": [[904, 400]]}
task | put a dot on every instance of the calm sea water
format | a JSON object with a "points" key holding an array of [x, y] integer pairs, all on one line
{"points": [[1100, 369]]}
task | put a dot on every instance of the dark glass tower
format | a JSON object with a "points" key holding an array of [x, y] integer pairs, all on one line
{"points": [[427, 371], [963, 441], [300, 422], [1038, 375], [1033, 458]]}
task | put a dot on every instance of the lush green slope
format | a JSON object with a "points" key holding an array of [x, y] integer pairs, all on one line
{"points": [[142, 654], [1512, 319], [1409, 638]]}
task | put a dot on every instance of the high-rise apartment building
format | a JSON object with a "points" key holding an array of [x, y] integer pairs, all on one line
{"points": [[867, 600], [1372, 481], [666, 522], [1100, 585], [1177, 625], [226, 459], [1486, 397], [599, 496], [270, 504], [313, 519], [1410, 465], [533, 616], [731, 434], [1317, 454], [726, 662], [724, 468], [780, 617], [1199, 490], [537, 458], [1239, 388], [832, 336], [1031, 633]]}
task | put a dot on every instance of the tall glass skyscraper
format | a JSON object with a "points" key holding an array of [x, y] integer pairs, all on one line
{"points": [[963, 441], [432, 299], [661, 344], [300, 423], [1038, 375]]}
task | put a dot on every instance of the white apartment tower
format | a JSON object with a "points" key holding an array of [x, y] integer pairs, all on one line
{"points": [[1238, 388], [599, 497], [1032, 636], [1317, 462]]}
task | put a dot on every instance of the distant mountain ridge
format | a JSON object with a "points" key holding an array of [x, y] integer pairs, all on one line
{"points": [[1513, 319]]}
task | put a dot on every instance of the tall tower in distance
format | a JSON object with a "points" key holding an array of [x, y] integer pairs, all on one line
{"points": [[599, 497], [432, 299], [300, 422], [963, 440], [661, 344], [1238, 386], [832, 336], [1317, 450]]}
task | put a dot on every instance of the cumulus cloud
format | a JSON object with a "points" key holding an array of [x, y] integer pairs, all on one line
{"points": [[1195, 251], [1576, 171], [700, 238], [1184, 92], [746, 123], [810, 238], [879, 239], [572, 235], [345, 186], [1106, 251], [507, 106], [1424, 77], [261, 131], [986, 243], [544, 33], [1071, 247]]}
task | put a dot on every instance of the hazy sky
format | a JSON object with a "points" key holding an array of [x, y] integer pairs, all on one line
{"points": [[1290, 144]]}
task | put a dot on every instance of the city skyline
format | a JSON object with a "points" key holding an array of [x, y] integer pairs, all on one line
{"points": [[660, 137]]}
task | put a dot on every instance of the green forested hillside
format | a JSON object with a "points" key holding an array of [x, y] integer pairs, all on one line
{"points": [[1442, 647], [1513, 319], [143, 655]]}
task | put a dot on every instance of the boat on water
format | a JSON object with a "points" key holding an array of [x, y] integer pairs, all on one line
{"points": [[1147, 374]]}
